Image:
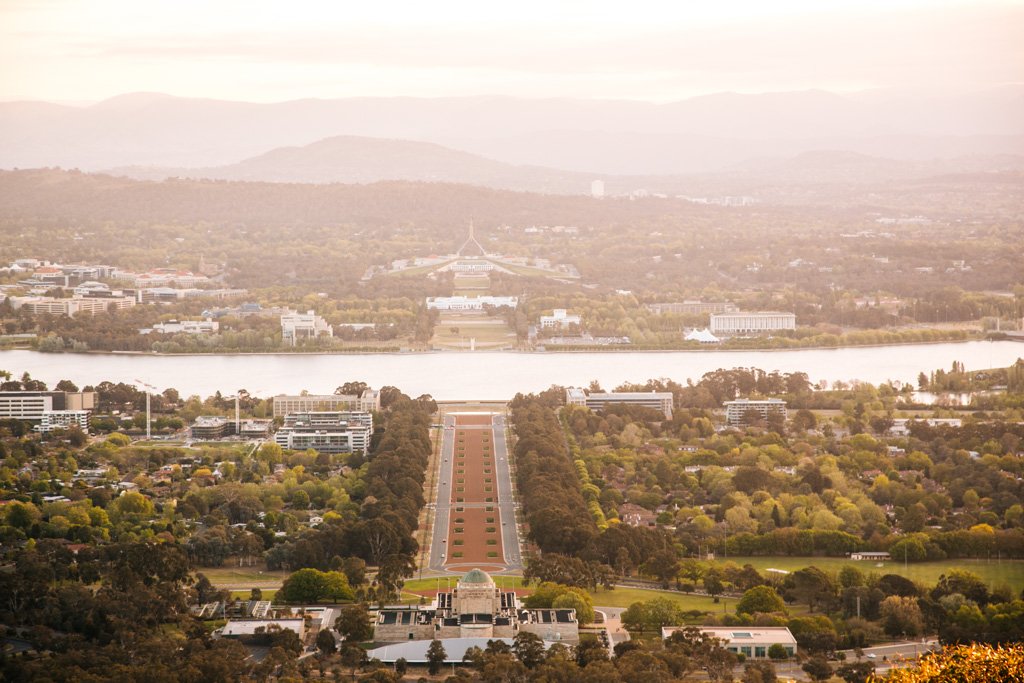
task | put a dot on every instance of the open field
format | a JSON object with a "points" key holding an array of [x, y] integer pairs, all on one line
{"points": [[1010, 572], [455, 331], [235, 577], [624, 597]]}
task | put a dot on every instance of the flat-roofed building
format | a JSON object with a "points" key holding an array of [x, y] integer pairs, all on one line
{"points": [[367, 401], [31, 405], [63, 419], [658, 400], [870, 556], [255, 629], [752, 642], [212, 427], [70, 307], [326, 432], [559, 318], [467, 303], [752, 322], [736, 411], [254, 429], [183, 327], [308, 325], [693, 307]]}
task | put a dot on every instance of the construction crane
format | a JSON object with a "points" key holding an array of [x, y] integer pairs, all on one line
{"points": [[149, 419], [236, 396]]}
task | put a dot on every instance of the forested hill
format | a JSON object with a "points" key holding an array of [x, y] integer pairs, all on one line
{"points": [[51, 193]]}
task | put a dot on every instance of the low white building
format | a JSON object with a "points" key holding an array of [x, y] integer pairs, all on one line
{"points": [[183, 327], [559, 318], [901, 427], [466, 303], [752, 642]]}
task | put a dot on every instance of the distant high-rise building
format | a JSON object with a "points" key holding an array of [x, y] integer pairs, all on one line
{"points": [[597, 189]]}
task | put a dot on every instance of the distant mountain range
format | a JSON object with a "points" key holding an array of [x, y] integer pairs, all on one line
{"points": [[598, 138], [348, 159]]}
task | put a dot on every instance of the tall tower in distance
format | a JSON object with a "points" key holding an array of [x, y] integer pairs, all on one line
{"points": [[597, 189]]}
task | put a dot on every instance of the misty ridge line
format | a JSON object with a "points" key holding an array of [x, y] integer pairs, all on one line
{"points": [[725, 133]]}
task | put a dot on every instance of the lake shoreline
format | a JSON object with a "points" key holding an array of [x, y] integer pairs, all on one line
{"points": [[546, 352]]}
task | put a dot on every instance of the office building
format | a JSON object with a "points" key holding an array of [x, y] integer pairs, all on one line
{"points": [[367, 401], [308, 325], [752, 323], [212, 427], [326, 432], [31, 405], [693, 307], [736, 411], [657, 400]]}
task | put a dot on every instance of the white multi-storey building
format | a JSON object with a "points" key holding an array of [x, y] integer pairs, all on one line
{"points": [[752, 323], [326, 432], [658, 400], [735, 411], [306, 325], [63, 419], [367, 401]]}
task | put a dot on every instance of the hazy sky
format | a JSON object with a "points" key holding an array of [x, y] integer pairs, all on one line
{"points": [[88, 50]]}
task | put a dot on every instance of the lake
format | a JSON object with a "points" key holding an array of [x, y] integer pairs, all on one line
{"points": [[493, 375]]}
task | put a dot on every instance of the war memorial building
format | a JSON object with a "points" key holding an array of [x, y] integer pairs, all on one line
{"points": [[477, 608]]}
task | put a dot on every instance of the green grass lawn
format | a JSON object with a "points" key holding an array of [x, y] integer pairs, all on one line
{"points": [[624, 597], [238, 576], [431, 584], [995, 573], [268, 594]]}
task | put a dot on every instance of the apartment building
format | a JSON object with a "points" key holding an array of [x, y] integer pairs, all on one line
{"points": [[736, 411], [63, 419]]}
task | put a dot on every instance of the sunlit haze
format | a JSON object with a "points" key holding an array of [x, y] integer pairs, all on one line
{"points": [[68, 51]]}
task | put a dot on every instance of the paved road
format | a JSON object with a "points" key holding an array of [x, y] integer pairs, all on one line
{"points": [[443, 496], [506, 499]]}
